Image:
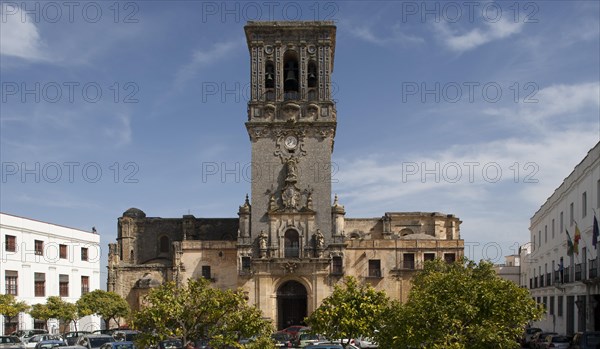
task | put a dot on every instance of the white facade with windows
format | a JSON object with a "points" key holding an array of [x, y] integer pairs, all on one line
{"points": [[39, 260], [569, 286]]}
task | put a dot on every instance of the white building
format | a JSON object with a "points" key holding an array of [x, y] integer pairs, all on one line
{"points": [[569, 286], [39, 259], [510, 270]]}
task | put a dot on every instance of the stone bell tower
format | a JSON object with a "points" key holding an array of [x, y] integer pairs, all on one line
{"points": [[291, 124]]}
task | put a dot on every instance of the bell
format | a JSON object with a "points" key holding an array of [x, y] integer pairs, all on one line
{"points": [[311, 75], [269, 76], [291, 77]]}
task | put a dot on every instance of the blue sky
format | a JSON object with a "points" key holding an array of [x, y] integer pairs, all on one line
{"points": [[480, 109]]}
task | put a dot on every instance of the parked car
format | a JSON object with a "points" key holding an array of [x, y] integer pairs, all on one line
{"points": [[556, 342], [35, 339], [170, 344], [325, 346], [586, 340], [94, 341], [106, 331], [26, 334], [125, 335], [305, 339], [539, 338], [11, 342], [294, 330], [282, 339], [118, 345], [528, 334], [50, 343], [365, 342], [71, 337], [202, 344]]}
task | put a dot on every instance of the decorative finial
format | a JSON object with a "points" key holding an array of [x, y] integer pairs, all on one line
{"points": [[94, 230], [335, 200], [247, 202]]}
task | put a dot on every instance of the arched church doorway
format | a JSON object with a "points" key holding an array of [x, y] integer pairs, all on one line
{"points": [[291, 304]]}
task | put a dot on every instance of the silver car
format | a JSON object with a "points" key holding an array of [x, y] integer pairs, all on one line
{"points": [[11, 342], [94, 341]]}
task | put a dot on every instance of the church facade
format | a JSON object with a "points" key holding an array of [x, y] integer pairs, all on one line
{"points": [[290, 244]]}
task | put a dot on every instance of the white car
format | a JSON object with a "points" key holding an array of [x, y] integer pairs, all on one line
{"points": [[35, 339], [365, 342]]}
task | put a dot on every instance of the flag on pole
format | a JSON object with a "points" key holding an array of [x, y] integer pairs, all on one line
{"points": [[576, 239], [570, 247], [595, 232]]}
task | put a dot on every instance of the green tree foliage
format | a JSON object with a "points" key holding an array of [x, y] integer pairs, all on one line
{"points": [[62, 310], [40, 311], [352, 310], [458, 306], [9, 307], [196, 311], [108, 305]]}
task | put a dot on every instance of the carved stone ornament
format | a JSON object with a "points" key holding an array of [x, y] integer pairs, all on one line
{"points": [[259, 132], [290, 195], [326, 132], [269, 112], [290, 112], [312, 112], [289, 267]]}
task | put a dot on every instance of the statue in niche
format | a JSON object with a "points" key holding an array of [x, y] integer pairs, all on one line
{"points": [[272, 203], [309, 201], [262, 243], [319, 243], [291, 169]]}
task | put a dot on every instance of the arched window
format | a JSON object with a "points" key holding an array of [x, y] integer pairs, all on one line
{"points": [[269, 75], [312, 74], [405, 232], [292, 244], [163, 244], [290, 82], [269, 81]]}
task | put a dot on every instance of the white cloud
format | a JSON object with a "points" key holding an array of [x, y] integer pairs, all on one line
{"points": [[120, 133], [202, 58], [461, 42], [561, 99], [534, 156], [19, 35], [395, 36]]}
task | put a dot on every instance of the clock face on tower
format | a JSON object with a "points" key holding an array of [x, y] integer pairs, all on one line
{"points": [[291, 142]]}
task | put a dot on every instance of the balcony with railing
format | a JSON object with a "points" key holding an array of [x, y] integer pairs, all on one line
{"points": [[291, 252], [578, 272], [593, 268], [291, 95]]}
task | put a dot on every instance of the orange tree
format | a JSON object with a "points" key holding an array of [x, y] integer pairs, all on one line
{"points": [[352, 310], [459, 305], [197, 310]]}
